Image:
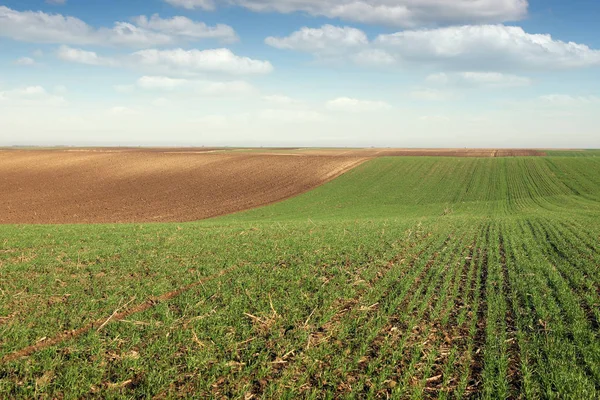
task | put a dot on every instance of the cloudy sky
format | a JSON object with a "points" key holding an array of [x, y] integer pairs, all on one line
{"points": [[401, 73]]}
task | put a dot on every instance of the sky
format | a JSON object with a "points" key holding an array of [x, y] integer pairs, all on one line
{"points": [[318, 73]]}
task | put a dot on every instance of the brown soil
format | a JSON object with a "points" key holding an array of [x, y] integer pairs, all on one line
{"points": [[133, 185]]}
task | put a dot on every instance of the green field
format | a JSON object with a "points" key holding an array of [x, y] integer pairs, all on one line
{"points": [[404, 278]]}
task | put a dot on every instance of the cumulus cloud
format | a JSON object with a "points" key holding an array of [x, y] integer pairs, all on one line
{"points": [[487, 46], [79, 56], [355, 105], [196, 61], [40, 27], [327, 40], [479, 79], [478, 48], [176, 61], [403, 13], [186, 28]]}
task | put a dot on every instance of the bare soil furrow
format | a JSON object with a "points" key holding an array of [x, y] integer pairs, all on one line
{"points": [[325, 334], [475, 379], [452, 344], [116, 316], [514, 371], [405, 325]]}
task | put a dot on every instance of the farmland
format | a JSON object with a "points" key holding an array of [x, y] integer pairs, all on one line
{"points": [[139, 185], [119, 185], [405, 277]]}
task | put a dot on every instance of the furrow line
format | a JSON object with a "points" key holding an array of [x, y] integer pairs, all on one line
{"points": [[116, 316], [475, 380], [316, 338], [514, 373]]}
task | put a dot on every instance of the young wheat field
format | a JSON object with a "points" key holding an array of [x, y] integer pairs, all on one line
{"points": [[406, 277]]}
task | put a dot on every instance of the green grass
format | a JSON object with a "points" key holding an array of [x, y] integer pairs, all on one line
{"points": [[406, 277], [574, 153]]}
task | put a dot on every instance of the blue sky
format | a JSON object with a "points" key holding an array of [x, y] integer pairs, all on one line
{"points": [[433, 73]]}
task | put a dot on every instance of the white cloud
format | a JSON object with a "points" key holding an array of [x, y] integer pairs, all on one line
{"points": [[185, 27], [57, 2], [127, 34], [354, 105], [174, 61], [25, 61], [40, 27], [327, 40], [30, 96], [79, 56], [201, 61], [192, 4], [487, 47], [404, 13], [479, 79], [475, 48]]}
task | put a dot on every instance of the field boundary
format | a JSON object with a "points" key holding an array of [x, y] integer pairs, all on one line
{"points": [[333, 176]]}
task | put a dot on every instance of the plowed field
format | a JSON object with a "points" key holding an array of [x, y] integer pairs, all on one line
{"points": [[88, 186]]}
